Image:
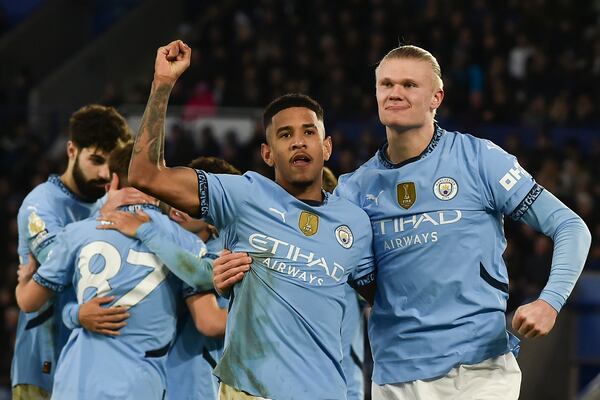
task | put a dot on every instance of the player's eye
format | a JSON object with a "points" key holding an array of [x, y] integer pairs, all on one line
{"points": [[309, 132], [410, 85], [97, 161]]}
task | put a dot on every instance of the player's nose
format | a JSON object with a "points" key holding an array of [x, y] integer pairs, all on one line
{"points": [[104, 172]]}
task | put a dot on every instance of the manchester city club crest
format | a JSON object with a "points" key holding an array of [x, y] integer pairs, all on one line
{"points": [[308, 223], [407, 194], [445, 188], [344, 236]]}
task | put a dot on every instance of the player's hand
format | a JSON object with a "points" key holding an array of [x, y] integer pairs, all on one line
{"points": [[121, 197], [104, 320], [25, 271], [534, 319], [171, 61], [124, 222], [229, 269]]}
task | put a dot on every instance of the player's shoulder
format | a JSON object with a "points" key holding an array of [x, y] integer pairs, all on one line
{"points": [[368, 167], [42, 195], [470, 143], [349, 209], [51, 196]]}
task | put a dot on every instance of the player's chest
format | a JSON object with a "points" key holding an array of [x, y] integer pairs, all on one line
{"points": [[434, 189], [300, 242]]}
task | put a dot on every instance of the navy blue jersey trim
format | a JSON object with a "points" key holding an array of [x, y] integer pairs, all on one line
{"points": [[158, 352], [526, 203], [491, 280], [383, 158], [55, 179], [45, 241], [41, 318], [209, 359], [55, 287], [202, 193], [363, 280], [355, 358], [189, 291]]}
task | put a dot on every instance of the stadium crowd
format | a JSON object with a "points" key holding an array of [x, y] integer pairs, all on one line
{"points": [[521, 73]]}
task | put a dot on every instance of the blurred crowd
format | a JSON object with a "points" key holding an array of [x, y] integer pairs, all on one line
{"points": [[525, 69]]}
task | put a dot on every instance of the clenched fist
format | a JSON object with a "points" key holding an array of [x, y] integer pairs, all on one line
{"points": [[171, 61], [534, 319]]}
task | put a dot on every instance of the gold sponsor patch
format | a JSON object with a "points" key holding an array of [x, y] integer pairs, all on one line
{"points": [[35, 225], [407, 194], [308, 223]]}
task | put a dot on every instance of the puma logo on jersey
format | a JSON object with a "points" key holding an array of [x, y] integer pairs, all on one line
{"points": [[280, 213], [374, 198]]}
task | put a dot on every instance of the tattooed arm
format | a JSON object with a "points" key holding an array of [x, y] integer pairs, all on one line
{"points": [[147, 170]]}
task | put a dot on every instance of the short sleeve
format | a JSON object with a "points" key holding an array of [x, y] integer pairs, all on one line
{"points": [[507, 187], [38, 228], [364, 272], [346, 190], [220, 196], [56, 272]]}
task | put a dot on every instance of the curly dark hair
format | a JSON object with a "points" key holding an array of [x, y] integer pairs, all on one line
{"points": [[98, 126]]}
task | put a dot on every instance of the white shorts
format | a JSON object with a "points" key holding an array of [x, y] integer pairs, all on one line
{"points": [[497, 378]]}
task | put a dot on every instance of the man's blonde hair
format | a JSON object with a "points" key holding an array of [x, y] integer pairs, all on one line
{"points": [[416, 53]]}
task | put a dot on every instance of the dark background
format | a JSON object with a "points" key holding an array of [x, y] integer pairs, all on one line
{"points": [[525, 74]]}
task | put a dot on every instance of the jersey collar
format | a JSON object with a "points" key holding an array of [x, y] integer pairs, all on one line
{"points": [[385, 161], [55, 180]]}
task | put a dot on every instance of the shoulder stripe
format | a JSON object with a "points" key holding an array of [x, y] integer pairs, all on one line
{"points": [[524, 205], [202, 193]]}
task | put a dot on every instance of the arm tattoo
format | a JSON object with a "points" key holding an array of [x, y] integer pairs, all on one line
{"points": [[151, 136]]}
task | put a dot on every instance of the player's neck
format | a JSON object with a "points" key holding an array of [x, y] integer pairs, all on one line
{"points": [[68, 180], [312, 192], [409, 143]]}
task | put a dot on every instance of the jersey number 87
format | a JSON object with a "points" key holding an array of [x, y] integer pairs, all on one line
{"points": [[112, 266]]}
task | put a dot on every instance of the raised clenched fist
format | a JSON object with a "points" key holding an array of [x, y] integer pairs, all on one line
{"points": [[171, 61]]}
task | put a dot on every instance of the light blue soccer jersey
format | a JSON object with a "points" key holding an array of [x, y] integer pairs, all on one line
{"points": [[193, 356], [45, 211], [283, 337], [353, 345], [104, 263], [438, 235]]}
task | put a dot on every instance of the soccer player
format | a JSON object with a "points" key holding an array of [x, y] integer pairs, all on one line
{"points": [[283, 331], [198, 344], [437, 201], [94, 131], [105, 262]]}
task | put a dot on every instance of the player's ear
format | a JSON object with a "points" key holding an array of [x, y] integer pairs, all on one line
{"points": [[267, 155], [71, 150], [437, 98], [327, 148]]}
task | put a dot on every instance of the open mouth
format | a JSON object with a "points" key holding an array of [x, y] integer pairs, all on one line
{"points": [[300, 160]]}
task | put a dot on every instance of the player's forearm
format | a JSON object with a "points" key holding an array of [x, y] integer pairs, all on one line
{"points": [[147, 159], [572, 241], [190, 268], [31, 296]]}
